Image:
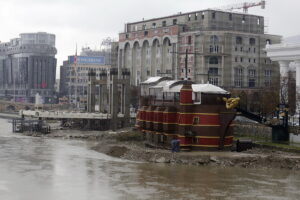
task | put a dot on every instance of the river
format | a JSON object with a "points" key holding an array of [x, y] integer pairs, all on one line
{"points": [[56, 169]]}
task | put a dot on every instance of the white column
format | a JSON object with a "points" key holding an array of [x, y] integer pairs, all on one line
{"points": [[284, 72]]}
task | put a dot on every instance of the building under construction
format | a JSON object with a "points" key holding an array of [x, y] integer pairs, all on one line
{"points": [[225, 48]]}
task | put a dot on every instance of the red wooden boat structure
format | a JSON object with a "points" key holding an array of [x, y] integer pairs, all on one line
{"points": [[198, 115]]}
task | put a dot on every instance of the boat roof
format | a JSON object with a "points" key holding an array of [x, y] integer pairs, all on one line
{"points": [[174, 86]]}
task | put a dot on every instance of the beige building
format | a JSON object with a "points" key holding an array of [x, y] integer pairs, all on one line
{"points": [[225, 48]]}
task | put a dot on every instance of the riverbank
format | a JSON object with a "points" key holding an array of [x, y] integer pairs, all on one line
{"points": [[128, 144]]}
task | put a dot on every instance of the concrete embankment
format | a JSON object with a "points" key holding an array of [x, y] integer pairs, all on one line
{"points": [[128, 144], [9, 115]]}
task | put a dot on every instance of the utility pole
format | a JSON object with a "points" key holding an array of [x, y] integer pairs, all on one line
{"points": [[186, 60]]}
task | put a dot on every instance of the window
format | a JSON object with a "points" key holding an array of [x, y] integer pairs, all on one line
{"points": [[164, 23], [267, 82], [213, 60], [268, 41], [203, 15], [189, 17], [238, 77], [174, 21], [249, 60], [230, 16], [268, 73], [196, 16], [214, 39], [144, 27], [236, 48], [258, 21], [146, 33], [196, 120], [251, 72], [241, 49], [189, 39], [153, 25], [252, 41], [254, 60], [239, 40], [251, 82], [213, 71], [244, 20], [213, 80], [216, 48], [126, 36], [213, 15], [235, 59], [238, 71], [254, 50], [241, 59]]}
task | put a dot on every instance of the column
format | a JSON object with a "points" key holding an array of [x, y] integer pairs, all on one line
{"points": [[284, 72]]}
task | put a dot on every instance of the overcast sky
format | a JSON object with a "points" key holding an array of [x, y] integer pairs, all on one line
{"points": [[87, 22]]}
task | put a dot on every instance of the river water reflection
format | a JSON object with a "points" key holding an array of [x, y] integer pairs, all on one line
{"points": [[55, 169]]}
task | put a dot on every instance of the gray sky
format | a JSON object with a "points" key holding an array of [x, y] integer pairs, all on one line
{"points": [[87, 22]]}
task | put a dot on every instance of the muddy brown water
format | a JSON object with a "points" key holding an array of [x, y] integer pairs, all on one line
{"points": [[55, 169]]}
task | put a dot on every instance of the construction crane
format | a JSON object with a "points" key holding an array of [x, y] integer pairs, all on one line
{"points": [[245, 6]]}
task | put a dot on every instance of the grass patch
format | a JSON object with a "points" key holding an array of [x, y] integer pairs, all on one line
{"points": [[280, 145], [253, 138], [130, 136]]}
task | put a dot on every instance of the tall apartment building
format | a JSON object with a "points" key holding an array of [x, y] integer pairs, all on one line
{"points": [[225, 48], [28, 67], [74, 75]]}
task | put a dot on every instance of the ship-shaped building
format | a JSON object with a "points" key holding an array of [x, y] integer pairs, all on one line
{"points": [[198, 115]]}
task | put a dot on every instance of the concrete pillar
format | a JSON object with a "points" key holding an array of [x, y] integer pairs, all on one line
{"points": [[297, 65], [284, 72], [103, 92], [114, 98], [91, 92], [126, 99]]}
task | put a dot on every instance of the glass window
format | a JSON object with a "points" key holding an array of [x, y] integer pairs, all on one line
{"points": [[238, 77], [214, 39], [239, 40], [174, 21], [213, 71], [252, 41], [251, 72], [213, 15], [213, 60], [251, 82]]}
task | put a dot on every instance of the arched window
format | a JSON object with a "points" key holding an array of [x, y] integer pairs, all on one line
{"points": [[214, 39], [268, 41], [252, 41], [213, 60], [239, 40]]}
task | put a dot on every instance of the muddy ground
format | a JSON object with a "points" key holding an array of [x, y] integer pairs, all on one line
{"points": [[128, 144]]}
